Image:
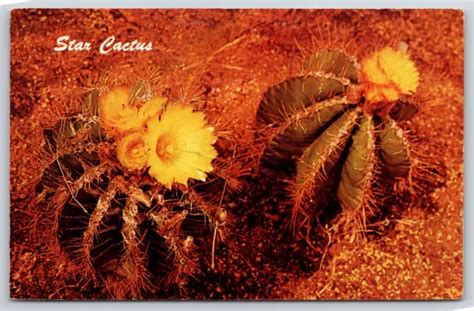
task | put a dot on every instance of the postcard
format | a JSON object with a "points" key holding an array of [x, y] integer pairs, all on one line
{"points": [[236, 154]]}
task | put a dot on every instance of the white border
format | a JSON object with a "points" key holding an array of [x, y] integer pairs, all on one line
{"points": [[6, 303]]}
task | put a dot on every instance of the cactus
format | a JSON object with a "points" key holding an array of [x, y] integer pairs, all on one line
{"points": [[339, 125], [127, 230]]}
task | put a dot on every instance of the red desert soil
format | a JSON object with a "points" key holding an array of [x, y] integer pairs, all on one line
{"points": [[415, 251]]}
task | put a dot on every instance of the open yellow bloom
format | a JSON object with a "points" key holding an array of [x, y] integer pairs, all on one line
{"points": [[132, 151], [180, 144], [388, 74], [118, 116]]}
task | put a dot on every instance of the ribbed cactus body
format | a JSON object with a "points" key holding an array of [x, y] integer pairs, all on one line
{"points": [[121, 229], [338, 143]]}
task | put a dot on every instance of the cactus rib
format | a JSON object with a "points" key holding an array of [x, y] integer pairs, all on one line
{"points": [[294, 95], [355, 187], [297, 134], [320, 158], [333, 62], [394, 149]]}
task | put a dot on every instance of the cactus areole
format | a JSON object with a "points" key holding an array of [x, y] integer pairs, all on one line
{"points": [[340, 122]]}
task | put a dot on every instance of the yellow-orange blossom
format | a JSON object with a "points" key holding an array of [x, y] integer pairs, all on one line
{"points": [[180, 145], [118, 116], [387, 75], [175, 143]]}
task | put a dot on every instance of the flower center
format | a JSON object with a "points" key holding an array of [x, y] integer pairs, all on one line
{"points": [[164, 148], [136, 148]]}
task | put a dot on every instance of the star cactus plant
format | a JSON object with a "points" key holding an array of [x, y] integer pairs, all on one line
{"points": [[339, 123], [118, 182]]}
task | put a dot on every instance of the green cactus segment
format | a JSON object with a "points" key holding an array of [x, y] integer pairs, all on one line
{"points": [[321, 157], [358, 169], [70, 127], [333, 62], [300, 133], [404, 110], [394, 149], [90, 105], [291, 96], [90, 108]]}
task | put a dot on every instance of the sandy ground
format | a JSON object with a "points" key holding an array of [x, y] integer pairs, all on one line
{"points": [[231, 58]]}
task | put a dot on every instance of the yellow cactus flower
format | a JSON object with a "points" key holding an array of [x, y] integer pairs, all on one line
{"points": [[132, 151], [115, 113], [151, 108], [388, 74], [118, 116], [180, 144]]}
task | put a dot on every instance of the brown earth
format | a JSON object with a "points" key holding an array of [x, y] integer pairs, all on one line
{"points": [[231, 57]]}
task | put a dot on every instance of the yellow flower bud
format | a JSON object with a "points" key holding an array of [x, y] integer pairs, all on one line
{"points": [[115, 113]]}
